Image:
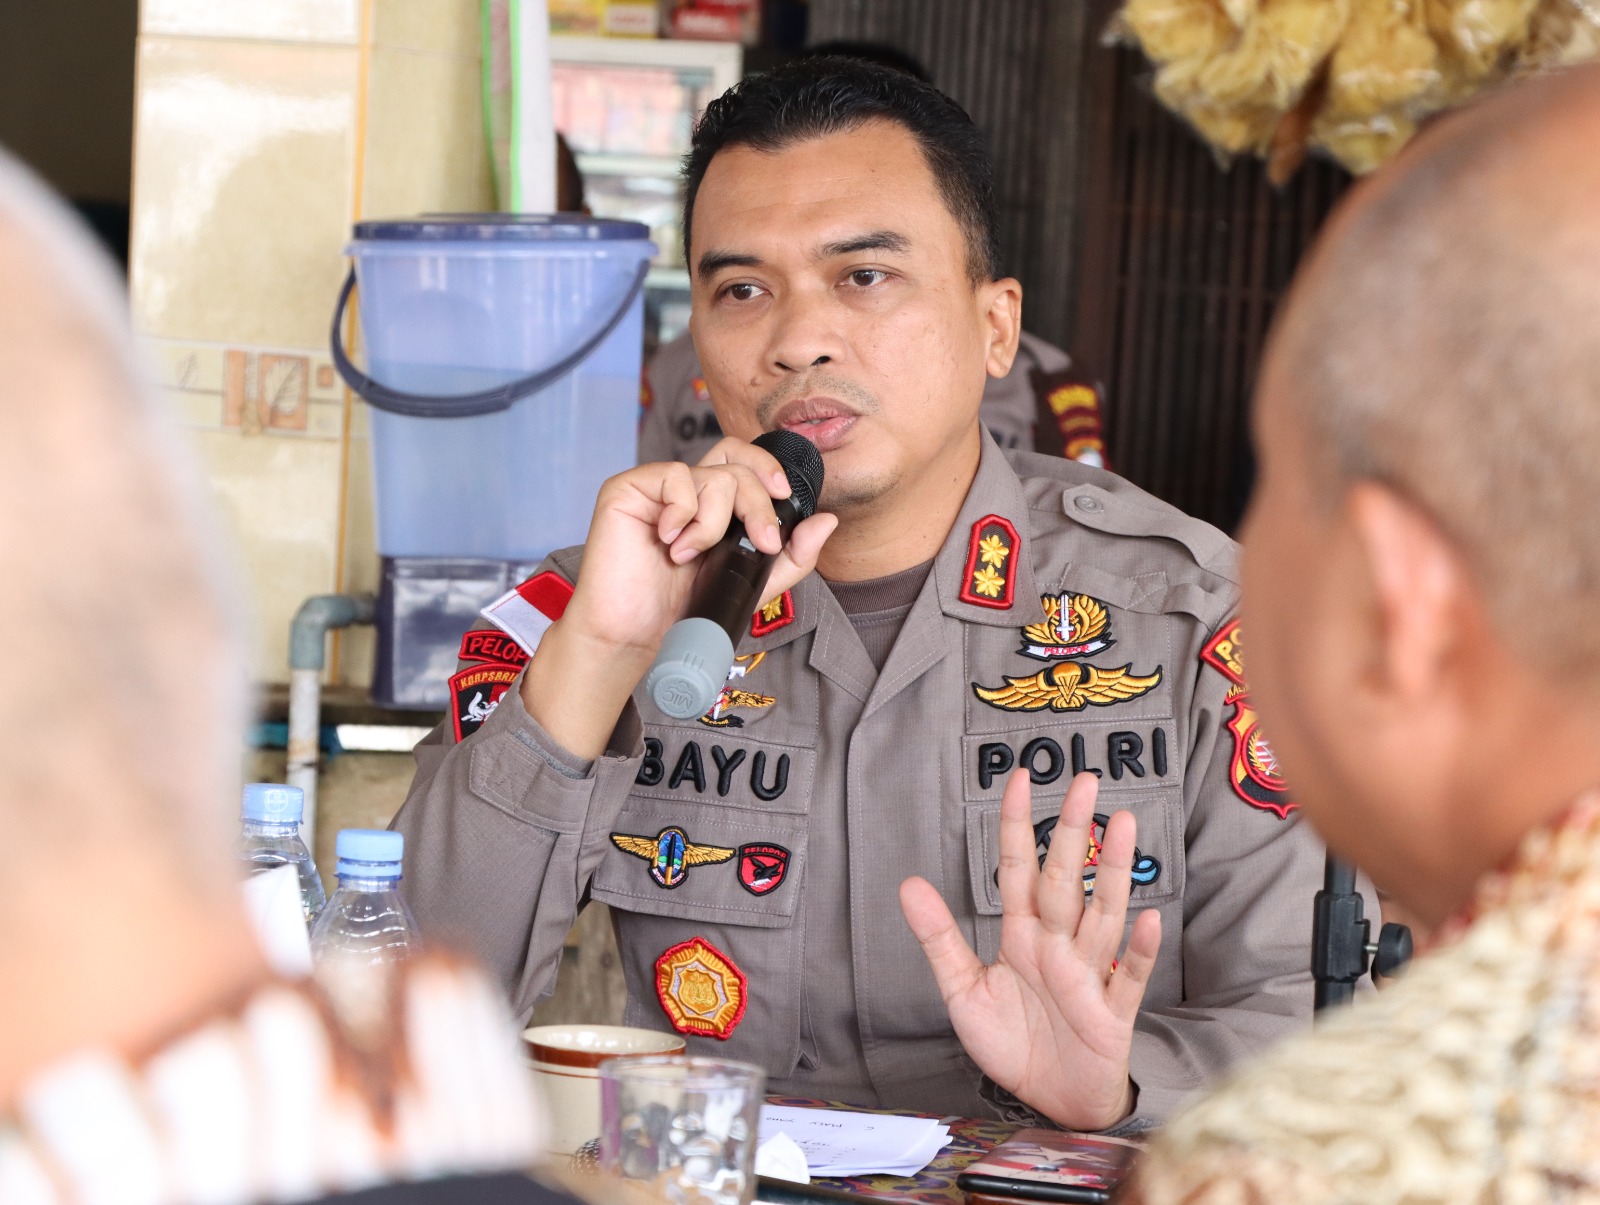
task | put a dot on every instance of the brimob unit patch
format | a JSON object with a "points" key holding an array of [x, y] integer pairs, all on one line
{"points": [[701, 990], [474, 694]]}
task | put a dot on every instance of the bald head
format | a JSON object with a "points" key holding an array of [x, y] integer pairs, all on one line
{"points": [[1444, 339], [120, 683]]}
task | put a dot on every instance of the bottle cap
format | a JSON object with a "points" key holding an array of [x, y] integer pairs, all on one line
{"points": [[273, 803], [372, 853]]}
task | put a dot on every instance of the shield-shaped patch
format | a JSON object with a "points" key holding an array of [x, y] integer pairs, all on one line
{"points": [[474, 694], [762, 867]]}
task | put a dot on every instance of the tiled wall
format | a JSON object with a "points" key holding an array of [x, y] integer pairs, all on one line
{"points": [[263, 129]]}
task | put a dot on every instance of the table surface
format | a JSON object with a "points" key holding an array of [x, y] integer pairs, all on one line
{"points": [[970, 1137]]}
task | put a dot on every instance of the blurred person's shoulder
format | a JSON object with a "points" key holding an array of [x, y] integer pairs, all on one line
{"points": [[1467, 1079], [1104, 525]]}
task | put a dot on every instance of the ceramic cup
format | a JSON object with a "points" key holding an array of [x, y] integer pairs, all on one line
{"points": [[565, 1059]]}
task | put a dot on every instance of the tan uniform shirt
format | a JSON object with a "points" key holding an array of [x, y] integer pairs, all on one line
{"points": [[1470, 1079], [1061, 627], [680, 423]]}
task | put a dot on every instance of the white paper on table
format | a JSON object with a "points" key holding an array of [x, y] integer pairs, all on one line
{"points": [[837, 1143], [272, 899], [779, 1158]]}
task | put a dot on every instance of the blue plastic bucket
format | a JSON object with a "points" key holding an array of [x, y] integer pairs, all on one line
{"points": [[503, 355]]}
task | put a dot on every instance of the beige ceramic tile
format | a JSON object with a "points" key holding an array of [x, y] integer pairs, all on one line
{"points": [[243, 174], [337, 21], [425, 143], [280, 502], [453, 27]]}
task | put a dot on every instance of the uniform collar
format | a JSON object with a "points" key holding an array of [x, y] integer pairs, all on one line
{"points": [[995, 492]]}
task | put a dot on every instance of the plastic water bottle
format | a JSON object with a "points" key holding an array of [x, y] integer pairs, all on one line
{"points": [[365, 932], [270, 819]]}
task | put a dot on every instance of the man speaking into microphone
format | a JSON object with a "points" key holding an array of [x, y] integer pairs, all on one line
{"points": [[951, 615]]}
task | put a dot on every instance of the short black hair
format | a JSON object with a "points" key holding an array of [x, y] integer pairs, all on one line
{"points": [[814, 97]]}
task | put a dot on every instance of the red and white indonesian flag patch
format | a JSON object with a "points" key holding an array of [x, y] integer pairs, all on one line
{"points": [[527, 612]]}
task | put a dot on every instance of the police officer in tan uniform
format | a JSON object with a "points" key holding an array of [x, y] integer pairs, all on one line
{"points": [[680, 423], [954, 615]]}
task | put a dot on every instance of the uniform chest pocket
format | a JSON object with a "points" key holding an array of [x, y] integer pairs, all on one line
{"points": [[704, 898], [1158, 868]]}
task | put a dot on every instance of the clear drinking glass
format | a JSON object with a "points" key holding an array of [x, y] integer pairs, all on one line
{"points": [[687, 1127]]}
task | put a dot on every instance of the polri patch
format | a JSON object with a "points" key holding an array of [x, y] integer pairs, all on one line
{"points": [[670, 854], [762, 867], [779, 613], [474, 694], [492, 646], [991, 574], [1253, 770], [701, 990]]}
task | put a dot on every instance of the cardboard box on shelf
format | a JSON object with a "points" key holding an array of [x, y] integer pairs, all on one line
{"points": [[585, 17], [706, 21], [632, 19]]}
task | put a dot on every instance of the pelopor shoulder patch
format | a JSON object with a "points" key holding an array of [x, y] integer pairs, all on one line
{"points": [[701, 990], [491, 646], [991, 574], [1253, 770], [526, 612]]}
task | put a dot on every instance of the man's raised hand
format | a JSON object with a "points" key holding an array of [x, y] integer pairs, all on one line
{"points": [[1051, 1019]]}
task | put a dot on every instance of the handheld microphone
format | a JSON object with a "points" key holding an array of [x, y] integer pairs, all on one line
{"points": [[697, 653]]}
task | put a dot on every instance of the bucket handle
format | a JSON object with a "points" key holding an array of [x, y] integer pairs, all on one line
{"points": [[464, 405]]}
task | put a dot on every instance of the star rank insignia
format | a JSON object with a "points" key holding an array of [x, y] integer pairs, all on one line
{"points": [[991, 573], [732, 697], [701, 990], [670, 854], [1253, 772], [779, 613]]}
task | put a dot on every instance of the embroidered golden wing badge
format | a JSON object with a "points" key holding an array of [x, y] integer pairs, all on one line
{"points": [[670, 854], [1068, 686]]}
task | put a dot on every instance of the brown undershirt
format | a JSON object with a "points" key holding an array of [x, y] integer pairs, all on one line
{"points": [[879, 607]]}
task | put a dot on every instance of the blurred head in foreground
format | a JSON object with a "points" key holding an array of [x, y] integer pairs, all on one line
{"points": [[146, 1050], [1422, 557], [121, 683], [1422, 583]]}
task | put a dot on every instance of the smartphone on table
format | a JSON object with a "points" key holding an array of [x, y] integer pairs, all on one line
{"points": [[1052, 1165]]}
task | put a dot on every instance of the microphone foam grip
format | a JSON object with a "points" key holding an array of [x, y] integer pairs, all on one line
{"points": [[691, 668]]}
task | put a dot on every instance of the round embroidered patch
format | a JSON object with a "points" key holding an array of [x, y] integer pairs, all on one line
{"points": [[700, 989]]}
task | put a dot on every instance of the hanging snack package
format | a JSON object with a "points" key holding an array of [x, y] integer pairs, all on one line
{"points": [[1170, 30], [1385, 61], [1277, 55]]}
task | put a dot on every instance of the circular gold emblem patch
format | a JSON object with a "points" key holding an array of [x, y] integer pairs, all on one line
{"points": [[700, 989]]}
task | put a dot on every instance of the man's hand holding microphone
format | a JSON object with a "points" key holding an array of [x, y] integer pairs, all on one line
{"points": [[647, 542]]}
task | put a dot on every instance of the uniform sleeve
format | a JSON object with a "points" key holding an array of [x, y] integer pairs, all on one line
{"points": [[503, 831], [1252, 875]]}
